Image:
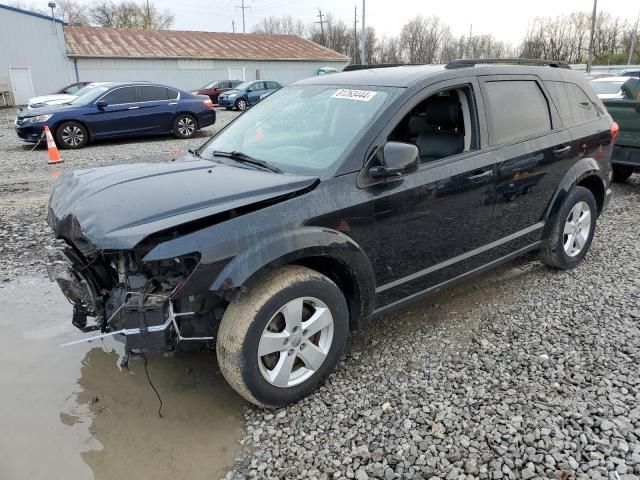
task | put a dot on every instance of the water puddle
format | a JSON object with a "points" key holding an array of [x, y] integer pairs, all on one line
{"points": [[73, 413]]}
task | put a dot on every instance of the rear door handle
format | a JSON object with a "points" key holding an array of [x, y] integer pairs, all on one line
{"points": [[133, 108], [561, 150], [479, 176]]}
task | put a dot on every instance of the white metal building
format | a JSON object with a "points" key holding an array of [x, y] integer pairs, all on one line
{"points": [[33, 54], [40, 55], [187, 60]]}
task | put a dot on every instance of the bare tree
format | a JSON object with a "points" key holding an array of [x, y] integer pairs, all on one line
{"points": [[129, 14], [284, 25], [422, 38], [72, 12]]}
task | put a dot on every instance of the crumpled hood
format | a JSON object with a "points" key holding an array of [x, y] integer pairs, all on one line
{"points": [[117, 206]]}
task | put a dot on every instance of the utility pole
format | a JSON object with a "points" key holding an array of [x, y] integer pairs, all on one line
{"points": [[593, 30], [363, 33], [243, 8], [321, 22], [634, 36], [233, 26], [469, 44], [147, 21], [355, 34]]}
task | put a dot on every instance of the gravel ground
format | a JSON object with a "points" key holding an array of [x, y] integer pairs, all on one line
{"points": [[524, 372], [27, 180]]}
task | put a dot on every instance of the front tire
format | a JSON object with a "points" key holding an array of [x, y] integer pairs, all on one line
{"points": [[241, 104], [621, 173], [279, 341], [572, 230], [71, 135], [184, 126]]}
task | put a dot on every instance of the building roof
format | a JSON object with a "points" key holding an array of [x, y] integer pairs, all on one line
{"points": [[117, 43], [29, 12]]}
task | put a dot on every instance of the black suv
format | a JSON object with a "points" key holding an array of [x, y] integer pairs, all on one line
{"points": [[335, 199]]}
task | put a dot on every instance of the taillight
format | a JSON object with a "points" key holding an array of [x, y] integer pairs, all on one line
{"points": [[208, 103], [615, 130]]}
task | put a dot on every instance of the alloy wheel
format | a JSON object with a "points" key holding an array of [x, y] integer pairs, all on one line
{"points": [[576, 229], [186, 126], [72, 135], [242, 105], [295, 342]]}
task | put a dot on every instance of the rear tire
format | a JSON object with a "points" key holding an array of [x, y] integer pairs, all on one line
{"points": [[71, 135], [621, 173], [279, 341], [572, 230], [185, 126]]}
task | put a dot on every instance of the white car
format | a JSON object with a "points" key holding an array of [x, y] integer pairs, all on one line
{"points": [[60, 98], [614, 87]]}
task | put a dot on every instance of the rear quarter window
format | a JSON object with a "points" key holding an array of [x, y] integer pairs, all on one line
{"points": [[516, 109], [572, 102]]}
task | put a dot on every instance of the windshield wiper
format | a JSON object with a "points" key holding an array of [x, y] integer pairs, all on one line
{"points": [[244, 158], [195, 153]]}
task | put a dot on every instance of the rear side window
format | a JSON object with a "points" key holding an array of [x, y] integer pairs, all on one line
{"points": [[516, 109], [120, 95], [172, 94], [152, 93], [574, 105], [272, 85]]}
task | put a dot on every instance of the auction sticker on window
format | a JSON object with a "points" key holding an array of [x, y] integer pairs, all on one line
{"points": [[361, 95]]}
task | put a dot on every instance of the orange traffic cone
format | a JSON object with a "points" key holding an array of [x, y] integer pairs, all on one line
{"points": [[54, 154]]}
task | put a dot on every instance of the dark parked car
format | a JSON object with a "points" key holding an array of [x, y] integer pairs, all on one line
{"points": [[118, 110], [247, 94], [337, 198], [213, 89], [626, 153]]}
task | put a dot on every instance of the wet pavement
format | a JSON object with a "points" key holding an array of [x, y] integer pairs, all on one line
{"points": [[72, 413]]}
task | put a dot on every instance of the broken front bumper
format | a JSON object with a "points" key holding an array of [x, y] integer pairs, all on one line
{"points": [[145, 322]]}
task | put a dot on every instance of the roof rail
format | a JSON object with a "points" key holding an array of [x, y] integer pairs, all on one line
{"points": [[462, 63], [364, 66]]}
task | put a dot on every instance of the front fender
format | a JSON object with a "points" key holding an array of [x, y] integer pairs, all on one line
{"points": [[298, 244]]}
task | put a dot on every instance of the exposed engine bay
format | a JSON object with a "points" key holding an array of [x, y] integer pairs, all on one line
{"points": [[137, 302]]}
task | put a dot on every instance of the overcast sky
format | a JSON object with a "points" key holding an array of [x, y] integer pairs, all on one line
{"points": [[506, 19]]}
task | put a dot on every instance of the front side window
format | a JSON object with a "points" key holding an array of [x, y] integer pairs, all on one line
{"points": [[306, 134], [573, 104], [442, 125], [120, 96], [516, 109]]}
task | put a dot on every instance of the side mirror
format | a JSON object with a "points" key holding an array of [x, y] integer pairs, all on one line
{"points": [[101, 104], [398, 158]]}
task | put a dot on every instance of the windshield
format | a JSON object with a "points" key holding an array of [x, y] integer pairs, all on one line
{"points": [[244, 85], [209, 85], [607, 87], [90, 96], [86, 89], [309, 130]]}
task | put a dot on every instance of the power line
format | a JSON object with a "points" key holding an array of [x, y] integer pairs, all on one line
{"points": [[243, 8]]}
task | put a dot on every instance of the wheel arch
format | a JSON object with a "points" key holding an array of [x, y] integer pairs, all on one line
{"points": [[329, 252], [587, 173]]}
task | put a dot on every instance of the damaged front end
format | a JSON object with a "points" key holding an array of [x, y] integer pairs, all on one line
{"points": [[140, 303]]}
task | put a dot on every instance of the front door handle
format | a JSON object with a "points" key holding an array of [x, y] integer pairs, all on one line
{"points": [[479, 176], [133, 108], [562, 150]]}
